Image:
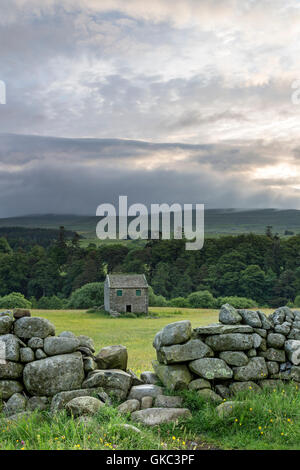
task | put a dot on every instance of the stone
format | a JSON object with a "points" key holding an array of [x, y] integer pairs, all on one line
{"points": [[6, 323], [149, 377], [272, 354], [252, 353], [67, 334], [294, 334], [6, 313], [284, 329], [295, 373], [146, 390], [156, 416], [230, 342], [38, 403], [130, 427], [36, 343], [114, 381], [86, 342], [263, 345], [174, 333], [89, 364], [219, 328], [275, 340], [199, 384], [87, 406], [15, 404], [257, 340], [261, 332], [255, 369], [55, 345], [211, 368], [8, 388], [269, 383], [292, 349], [237, 387], [222, 390], [297, 315], [29, 327], [112, 357], [234, 358], [227, 408], [273, 367], [39, 354], [12, 347], [267, 323], [146, 402], [11, 370], [129, 406], [135, 379], [209, 395], [192, 349], [18, 417], [174, 376], [296, 324], [21, 312], [26, 355], [251, 318], [279, 316], [54, 374], [229, 315], [164, 401], [59, 400]]}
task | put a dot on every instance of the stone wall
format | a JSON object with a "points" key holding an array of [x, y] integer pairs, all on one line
{"points": [[245, 350]]}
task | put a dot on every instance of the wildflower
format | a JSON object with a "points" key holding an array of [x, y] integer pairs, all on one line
{"points": [[259, 427], [236, 420], [261, 432], [250, 409], [174, 438]]}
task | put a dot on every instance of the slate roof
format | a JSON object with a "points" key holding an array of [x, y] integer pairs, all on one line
{"points": [[126, 280]]}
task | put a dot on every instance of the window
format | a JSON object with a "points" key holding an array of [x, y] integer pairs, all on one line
{"points": [[119, 293], [138, 292]]}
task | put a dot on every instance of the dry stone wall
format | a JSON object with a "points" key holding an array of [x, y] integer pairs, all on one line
{"points": [[245, 350]]}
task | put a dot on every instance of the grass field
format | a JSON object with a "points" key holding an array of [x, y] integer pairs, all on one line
{"points": [[136, 334]]}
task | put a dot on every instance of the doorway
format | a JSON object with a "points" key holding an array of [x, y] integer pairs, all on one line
{"points": [[128, 308]]}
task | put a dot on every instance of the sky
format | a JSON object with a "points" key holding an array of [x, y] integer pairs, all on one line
{"points": [[165, 101]]}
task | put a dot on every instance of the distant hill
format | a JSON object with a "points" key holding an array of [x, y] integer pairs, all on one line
{"points": [[218, 222], [27, 237]]}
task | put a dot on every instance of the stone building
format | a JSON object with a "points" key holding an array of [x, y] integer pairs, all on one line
{"points": [[126, 293]]}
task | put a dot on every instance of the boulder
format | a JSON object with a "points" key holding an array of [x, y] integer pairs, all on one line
{"points": [[292, 349], [261, 332], [55, 345], [279, 316], [67, 334], [16, 404], [156, 416], [26, 355], [12, 347], [174, 333], [227, 408], [267, 323], [199, 384], [273, 367], [59, 400], [86, 342], [8, 388], [209, 395], [129, 406], [234, 358], [237, 387], [275, 340], [112, 357], [11, 370], [83, 406], [38, 403], [192, 349], [229, 315], [174, 376], [230, 342], [6, 323], [257, 340], [250, 318], [294, 334], [165, 401], [256, 369], [21, 312], [283, 329], [211, 368], [271, 354], [219, 328], [36, 343], [149, 377], [146, 390], [29, 327], [49, 376], [114, 381], [146, 402]]}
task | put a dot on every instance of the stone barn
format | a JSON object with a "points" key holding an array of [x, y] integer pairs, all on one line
{"points": [[126, 293]]}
